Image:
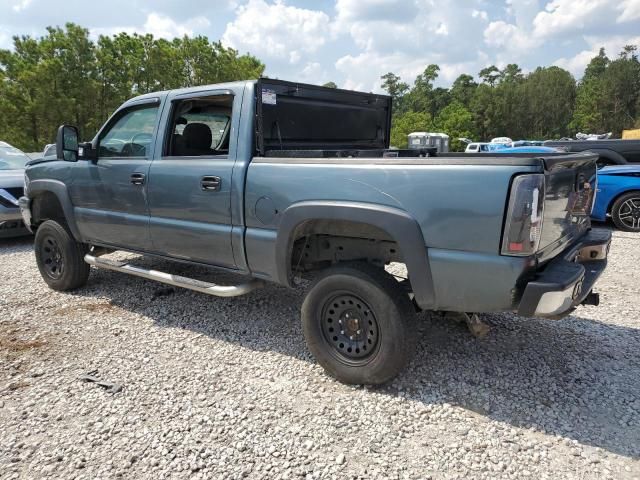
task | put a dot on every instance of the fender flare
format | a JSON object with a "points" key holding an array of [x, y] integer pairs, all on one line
{"points": [[399, 224], [60, 190], [612, 155]]}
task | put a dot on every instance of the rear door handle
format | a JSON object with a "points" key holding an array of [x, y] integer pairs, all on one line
{"points": [[210, 183], [137, 178]]}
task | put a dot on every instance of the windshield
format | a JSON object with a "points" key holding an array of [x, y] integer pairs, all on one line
{"points": [[11, 158]]}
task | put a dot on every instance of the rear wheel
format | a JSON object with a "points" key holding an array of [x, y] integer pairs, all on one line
{"points": [[625, 212], [59, 257], [359, 324]]}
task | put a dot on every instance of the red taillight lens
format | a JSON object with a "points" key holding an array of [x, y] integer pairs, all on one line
{"points": [[523, 226]]}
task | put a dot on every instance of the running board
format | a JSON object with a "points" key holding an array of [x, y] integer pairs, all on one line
{"points": [[175, 280]]}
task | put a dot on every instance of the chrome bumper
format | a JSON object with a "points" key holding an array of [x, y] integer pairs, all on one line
{"points": [[568, 280], [25, 210]]}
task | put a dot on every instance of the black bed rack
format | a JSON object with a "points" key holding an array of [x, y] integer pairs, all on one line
{"points": [[349, 153]]}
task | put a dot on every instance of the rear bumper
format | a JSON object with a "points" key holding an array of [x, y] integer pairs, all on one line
{"points": [[566, 281]]}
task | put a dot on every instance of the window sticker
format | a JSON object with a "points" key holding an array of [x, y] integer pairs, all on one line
{"points": [[268, 96]]}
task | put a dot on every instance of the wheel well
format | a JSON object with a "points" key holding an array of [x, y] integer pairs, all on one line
{"points": [[318, 244], [614, 199], [46, 206], [610, 157]]}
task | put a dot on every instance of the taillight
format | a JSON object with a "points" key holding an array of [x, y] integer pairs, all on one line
{"points": [[523, 227]]}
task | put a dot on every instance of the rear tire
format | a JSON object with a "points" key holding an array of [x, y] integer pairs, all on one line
{"points": [[59, 257], [625, 212], [359, 324]]}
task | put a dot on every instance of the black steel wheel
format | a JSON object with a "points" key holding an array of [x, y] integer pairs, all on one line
{"points": [[625, 212], [51, 255], [359, 324], [350, 326], [59, 257]]}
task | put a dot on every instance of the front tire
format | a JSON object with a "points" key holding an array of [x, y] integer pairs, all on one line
{"points": [[59, 257], [359, 324], [625, 212]]}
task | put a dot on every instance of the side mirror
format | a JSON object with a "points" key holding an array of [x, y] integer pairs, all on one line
{"points": [[67, 143]]}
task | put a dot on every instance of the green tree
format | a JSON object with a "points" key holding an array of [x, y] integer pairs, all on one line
{"points": [[457, 122], [330, 85], [549, 94], [65, 77], [395, 88], [421, 98], [490, 75], [407, 123], [463, 89], [608, 97]]}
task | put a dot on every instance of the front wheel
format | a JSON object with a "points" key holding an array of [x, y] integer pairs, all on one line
{"points": [[59, 257], [359, 324], [625, 212]]}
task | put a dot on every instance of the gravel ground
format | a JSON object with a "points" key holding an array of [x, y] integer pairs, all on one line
{"points": [[225, 388]]}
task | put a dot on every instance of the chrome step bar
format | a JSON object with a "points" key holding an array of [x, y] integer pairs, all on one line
{"points": [[175, 280]]}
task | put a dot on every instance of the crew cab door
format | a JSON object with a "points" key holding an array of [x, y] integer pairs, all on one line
{"points": [[109, 193], [190, 178]]}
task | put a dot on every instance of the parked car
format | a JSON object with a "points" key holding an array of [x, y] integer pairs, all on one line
{"points": [[529, 149], [484, 147], [527, 143], [618, 196], [12, 163], [611, 152], [277, 181]]}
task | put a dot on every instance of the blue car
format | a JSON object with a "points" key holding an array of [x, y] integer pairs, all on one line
{"points": [[618, 196], [528, 149]]}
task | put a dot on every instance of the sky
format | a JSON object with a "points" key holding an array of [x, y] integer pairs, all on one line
{"points": [[354, 42]]}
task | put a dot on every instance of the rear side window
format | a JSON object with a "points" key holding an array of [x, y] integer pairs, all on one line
{"points": [[131, 134], [200, 127]]}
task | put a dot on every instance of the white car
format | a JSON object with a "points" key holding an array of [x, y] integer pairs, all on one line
{"points": [[484, 147], [12, 163]]}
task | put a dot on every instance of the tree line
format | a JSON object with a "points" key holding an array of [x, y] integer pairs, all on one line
{"points": [[66, 77], [543, 104]]}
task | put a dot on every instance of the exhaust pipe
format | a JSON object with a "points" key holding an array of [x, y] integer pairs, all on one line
{"points": [[175, 280]]}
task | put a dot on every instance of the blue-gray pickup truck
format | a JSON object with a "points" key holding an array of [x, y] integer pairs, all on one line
{"points": [[280, 181]]}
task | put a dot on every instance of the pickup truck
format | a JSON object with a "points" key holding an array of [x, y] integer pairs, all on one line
{"points": [[610, 151], [280, 181]]}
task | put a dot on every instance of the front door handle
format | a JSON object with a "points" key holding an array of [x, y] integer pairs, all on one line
{"points": [[210, 183], [137, 178]]}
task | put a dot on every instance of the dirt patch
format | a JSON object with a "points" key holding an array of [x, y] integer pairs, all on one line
{"points": [[19, 345]]}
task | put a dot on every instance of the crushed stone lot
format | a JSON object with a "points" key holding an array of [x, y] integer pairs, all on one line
{"points": [[225, 388]]}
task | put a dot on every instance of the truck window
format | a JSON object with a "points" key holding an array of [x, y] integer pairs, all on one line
{"points": [[200, 127], [131, 134]]}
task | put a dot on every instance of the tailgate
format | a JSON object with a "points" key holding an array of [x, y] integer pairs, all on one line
{"points": [[570, 186]]}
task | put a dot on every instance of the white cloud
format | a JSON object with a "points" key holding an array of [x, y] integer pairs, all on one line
{"points": [[509, 38], [479, 14], [442, 29], [562, 16], [165, 27], [21, 5], [612, 44], [277, 30], [630, 10], [160, 26]]}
